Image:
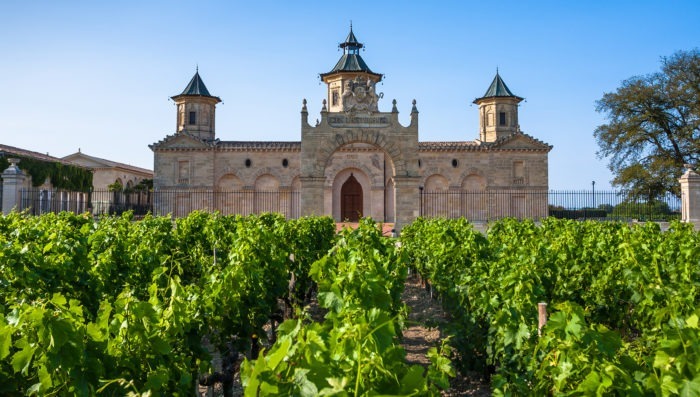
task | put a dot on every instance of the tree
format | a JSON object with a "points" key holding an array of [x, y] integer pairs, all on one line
{"points": [[653, 126]]}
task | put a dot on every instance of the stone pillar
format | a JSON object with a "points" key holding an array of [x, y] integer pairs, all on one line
{"points": [[407, 200], [312, 196], [12, 182], [690, 196]]}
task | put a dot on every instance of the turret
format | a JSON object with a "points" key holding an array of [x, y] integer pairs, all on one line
{"points": [[498, 111], [350, 73], [196, 109]]}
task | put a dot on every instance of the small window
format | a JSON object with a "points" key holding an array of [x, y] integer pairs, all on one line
{"points": [[502, 118], [193, 118], [334, 98], [419, 164], [285, 163], [248, 163], [455, 163]]}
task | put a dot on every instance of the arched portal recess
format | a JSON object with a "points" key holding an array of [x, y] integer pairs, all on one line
{"points": [[351, 200], [373, 168]]}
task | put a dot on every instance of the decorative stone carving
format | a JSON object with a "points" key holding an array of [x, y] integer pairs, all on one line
{"points": [[360, 95]]}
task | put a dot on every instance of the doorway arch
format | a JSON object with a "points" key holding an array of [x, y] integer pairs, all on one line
{"points": [[351, 200]]}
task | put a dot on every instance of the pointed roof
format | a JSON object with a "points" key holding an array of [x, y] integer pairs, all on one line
{"points": [[196, 87], [351, 61], [93, 162], [351, 40], [498, 89]]}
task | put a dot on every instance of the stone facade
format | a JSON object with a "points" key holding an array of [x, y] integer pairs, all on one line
{"points": [[106, 172], [690, 196], [355, 161]]}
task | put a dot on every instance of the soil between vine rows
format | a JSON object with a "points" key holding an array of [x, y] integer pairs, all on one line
{"points": [[422, 333]]}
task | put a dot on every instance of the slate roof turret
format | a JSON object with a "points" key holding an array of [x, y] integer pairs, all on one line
{"points": [[498, 89], [351, 61], [196, 87]]}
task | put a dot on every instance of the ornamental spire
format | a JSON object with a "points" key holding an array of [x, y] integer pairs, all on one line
{"points": [[351, 45]]}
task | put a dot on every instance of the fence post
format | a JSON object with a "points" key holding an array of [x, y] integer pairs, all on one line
{"points": [[690, 196], [12, 181], [541, 317]]}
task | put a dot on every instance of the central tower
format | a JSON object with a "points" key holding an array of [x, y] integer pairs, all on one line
{"points": [[350, 75]]}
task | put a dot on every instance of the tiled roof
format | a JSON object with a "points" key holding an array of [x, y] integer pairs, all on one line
{"points": [[351, 40], [107, 163], [196, 87], [449, 146], [477, 145], [350, 61], [498, 88], [9, 151], [171, 137], [259, 145], [508, 138]]}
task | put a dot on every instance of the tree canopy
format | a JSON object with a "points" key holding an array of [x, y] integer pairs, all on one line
{"points": [[653, 126]]}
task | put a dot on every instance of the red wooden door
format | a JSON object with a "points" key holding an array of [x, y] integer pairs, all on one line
{"points": [[351, 200]]}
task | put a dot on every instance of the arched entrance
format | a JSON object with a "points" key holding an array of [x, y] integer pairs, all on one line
{"points": [[351, 200]]}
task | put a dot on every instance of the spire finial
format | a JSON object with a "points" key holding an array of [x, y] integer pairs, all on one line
{"points": [[351, 24], [197, 68], [496, 69]]}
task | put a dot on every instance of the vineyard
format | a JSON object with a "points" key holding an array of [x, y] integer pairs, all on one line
{"points": [[121, 307]]}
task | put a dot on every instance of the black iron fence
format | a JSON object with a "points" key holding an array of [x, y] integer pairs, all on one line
{"points": [[477, 206], [177, 203], [38, 201], [484, 206]]}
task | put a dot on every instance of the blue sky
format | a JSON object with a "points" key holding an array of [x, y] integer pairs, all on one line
{"points": [[98, 75]]}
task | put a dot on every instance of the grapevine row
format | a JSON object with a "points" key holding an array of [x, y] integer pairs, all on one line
{"points": [[116, 306], [355, 350], [623, 303]]}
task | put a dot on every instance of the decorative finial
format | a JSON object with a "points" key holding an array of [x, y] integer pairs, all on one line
{"points": [[197, 68], [393, 107], [414, 109], [496, 69], [303, 107], [351, 24], [323, 108]]}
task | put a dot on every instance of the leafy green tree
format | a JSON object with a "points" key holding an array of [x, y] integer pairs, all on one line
{"points": [[653, 126]]}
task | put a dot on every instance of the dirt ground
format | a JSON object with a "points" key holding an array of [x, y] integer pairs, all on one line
{"points": [[422, 333]]}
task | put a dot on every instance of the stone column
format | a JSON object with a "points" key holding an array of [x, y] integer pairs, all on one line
{"points": [[690, 196], [407, 200], [312, 196], [12, 182]]}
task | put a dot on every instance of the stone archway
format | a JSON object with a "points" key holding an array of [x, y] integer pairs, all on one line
{"points": [[351, 200], [400, 147], [339, 207]]}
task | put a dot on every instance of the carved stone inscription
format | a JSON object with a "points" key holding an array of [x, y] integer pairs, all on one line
{"points": [[357, 121]]}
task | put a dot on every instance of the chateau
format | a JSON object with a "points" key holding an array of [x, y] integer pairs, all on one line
{"points": [[355, 161]]}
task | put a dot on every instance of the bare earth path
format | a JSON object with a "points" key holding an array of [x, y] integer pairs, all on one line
{"points": [[422, 333]]}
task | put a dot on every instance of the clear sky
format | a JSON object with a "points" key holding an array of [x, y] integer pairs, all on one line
{"points": [[97, 75]]}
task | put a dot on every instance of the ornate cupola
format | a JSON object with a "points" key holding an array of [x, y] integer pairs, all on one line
{"points": [[196, 109], [351, 79], [498, 111]]}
